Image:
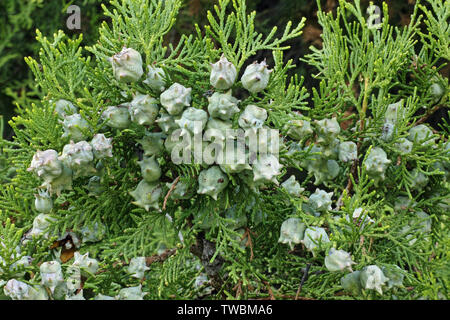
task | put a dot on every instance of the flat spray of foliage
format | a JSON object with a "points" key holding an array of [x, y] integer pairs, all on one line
{"points": [[18, 21], [361, 70]]}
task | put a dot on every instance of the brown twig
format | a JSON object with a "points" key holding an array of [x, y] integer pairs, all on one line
{"points": [[362, 117], [49, 293], [169, 192], [284, 296], [238, 289], [269, 290], [349, 186], [249, 242], [148, 260]]}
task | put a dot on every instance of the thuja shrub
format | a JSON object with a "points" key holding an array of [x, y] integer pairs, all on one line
{"points": [[116, 187]]}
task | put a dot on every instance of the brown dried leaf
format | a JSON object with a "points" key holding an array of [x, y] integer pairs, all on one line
{"points": [[311, 35]]}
